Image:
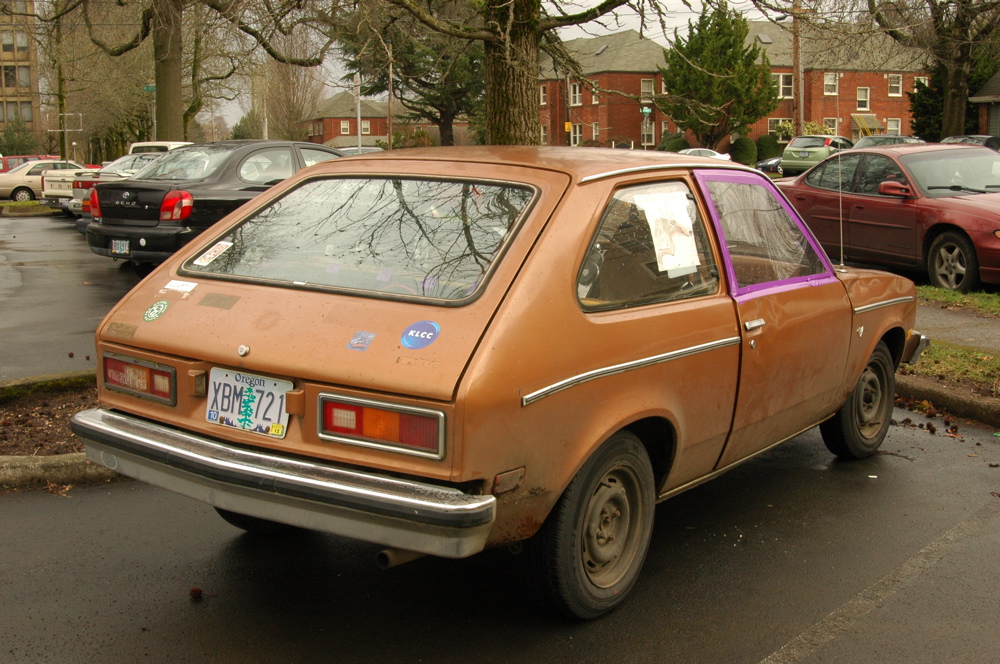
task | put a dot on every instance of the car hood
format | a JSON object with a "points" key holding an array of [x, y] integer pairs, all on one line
{"points": [[351, 341], [978, 204]]}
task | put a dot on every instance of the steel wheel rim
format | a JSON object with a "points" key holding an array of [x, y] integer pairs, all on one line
{"points": [[612, 527], [949, 264], [871, 400]]}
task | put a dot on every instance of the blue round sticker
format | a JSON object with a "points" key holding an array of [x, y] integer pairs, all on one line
{"points": [[420, 335]]}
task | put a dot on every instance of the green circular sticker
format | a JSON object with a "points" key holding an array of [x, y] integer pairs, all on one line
{"points": [[155, 311]]}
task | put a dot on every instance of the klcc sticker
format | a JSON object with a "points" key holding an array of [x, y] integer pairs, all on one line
{"points": [[361, 340], [155, 311], [420, 335]]}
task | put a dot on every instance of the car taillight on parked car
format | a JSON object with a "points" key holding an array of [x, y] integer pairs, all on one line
{"points": [[360, 422], [176, 206], [140, 378], [83, 184], [95, 208]]}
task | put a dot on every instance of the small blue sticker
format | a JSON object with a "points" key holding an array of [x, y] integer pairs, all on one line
{"points": [[420, 335], [361, 340]]}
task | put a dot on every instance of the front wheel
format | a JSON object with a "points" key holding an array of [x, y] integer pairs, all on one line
{"points": [[859, 427], [22, 195], [952, 263], [589, 552]]}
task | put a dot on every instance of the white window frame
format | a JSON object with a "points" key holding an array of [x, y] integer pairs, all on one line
{"points": [[772, 124], [646, 88], [831, 84], [593, 94], [833, 124], [345, 126], [895, 83], [893, 126], [575, 94], [663, 87], [576, 134], [366, 127], [785, 83], [650, 138], [595, 127], [543, 95], [543, 134], [864, 100], [926, 80]]}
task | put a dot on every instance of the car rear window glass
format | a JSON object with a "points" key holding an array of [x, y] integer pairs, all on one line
{"points": [[808, 142], [189, 163], [412, 238]]}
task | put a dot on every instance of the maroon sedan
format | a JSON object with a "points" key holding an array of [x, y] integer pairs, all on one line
{"points": [[912, 206]]}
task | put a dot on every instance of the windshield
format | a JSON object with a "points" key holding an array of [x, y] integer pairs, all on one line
{"points": [[942, 173], [412, 238], [189, 163]]}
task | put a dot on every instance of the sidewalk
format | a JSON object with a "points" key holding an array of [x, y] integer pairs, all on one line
{"points": [[941, 325]]}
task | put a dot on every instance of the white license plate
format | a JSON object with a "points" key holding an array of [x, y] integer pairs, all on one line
{"points": [[119, 247], [803, 155], [247, 401]]}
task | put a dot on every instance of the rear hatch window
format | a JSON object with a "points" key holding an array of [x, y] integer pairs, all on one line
{"points": [[424, 239], [185, 164], [808, 142]]}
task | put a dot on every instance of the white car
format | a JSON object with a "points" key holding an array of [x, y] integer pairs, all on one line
{"points": [[24, 183], [705, 152]]}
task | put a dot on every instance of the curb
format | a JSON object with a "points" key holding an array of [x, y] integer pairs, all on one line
{"points": [[27, 472], [10, 211]]}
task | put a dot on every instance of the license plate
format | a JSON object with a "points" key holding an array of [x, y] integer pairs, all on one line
{"points": [[119, 247], [803, 155], [248, 402]]}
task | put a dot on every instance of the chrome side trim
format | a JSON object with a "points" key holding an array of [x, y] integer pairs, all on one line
{"points": [[402, 513], [885, 303], [667, 166], [626, 366]]}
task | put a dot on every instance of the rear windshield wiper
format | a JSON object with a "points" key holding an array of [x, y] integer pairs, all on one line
{"points": [[957, 187]]}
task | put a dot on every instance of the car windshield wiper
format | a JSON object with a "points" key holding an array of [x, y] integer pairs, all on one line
{"points": [[993, 186], [957, 187]]}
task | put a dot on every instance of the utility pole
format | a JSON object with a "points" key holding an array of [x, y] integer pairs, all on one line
{"points": [[388, 107], [798, 84], [357, 102]]}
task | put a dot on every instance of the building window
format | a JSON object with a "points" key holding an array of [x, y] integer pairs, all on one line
{"points": [[22, 42], [832, 123], [26, 114], [892, 126], [648, 134], [920, 79], [366, 127], [9, 76], [13, 113], [830, 83], [646, 88], [543, 134], [772, 128], [663, 87], [895, 85], [24, 77], [543, 95], [576, 135], [7, 39], [783, 82], [20, 6], [593, 95], [345, 126], [863, 94], [596, 127], [575, 94]]}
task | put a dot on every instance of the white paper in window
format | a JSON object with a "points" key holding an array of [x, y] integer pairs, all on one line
{"points": [[672, 230]]}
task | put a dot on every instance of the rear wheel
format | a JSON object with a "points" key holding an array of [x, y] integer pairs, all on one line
{"points": [[22, 195], [588, 555], [255, 525], [859, 427], [952, 263]]}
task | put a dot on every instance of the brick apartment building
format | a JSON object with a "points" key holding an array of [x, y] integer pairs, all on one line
{"points": [[854, 86]]}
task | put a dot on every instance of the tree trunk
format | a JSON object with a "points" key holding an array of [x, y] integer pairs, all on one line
{"points": [[511, 66], [446, 128], [956, 97], [169, 66]]}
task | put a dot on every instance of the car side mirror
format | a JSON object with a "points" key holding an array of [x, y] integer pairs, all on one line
{"points": [[890, 188]]}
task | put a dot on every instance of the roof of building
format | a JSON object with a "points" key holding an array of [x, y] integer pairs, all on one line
{"points": [[342, 105], [845, 48], [625, 51], [990, 92]]}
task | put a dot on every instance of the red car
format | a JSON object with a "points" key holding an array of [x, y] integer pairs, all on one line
{"points": [[926, 206]]}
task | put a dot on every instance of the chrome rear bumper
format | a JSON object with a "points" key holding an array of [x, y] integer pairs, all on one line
{"points": [[410, 515], [916, 344]]}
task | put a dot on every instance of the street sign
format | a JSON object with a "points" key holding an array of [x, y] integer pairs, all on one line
{"points": [[646, 110], [569, 126], [149, 88]]}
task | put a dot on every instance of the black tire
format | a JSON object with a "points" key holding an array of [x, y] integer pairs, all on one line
{"points": [[22, 195], [255, 525], [589, 552], [859, 427], [952, 263]]}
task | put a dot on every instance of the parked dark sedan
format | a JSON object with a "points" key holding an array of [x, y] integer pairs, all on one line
{"points": [[928, 206], [148, 217], [992, 142]]}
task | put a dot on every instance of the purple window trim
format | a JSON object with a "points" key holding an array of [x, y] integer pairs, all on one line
{"points": [[703, 177]]}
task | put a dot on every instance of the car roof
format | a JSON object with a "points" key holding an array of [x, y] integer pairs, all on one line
{"points": [[910, 148], [579, 163]]}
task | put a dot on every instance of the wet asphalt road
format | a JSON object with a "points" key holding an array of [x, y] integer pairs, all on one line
{"points": [[53, 293], [792, 557]]}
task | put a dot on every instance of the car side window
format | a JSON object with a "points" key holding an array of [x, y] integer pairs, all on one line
{"points": [[311, 156], [875, 170], [37, 170], [835, 173], [764, 242], [651, 246], [266, 166]]}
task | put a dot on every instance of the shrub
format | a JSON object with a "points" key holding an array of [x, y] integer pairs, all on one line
{"points": [[767, 147], [744, 151], [675, 145]]}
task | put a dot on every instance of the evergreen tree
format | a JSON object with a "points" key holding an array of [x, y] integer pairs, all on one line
{"points": [[17, 138], [714, 68]]}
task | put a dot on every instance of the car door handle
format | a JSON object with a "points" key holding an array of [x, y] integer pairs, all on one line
{"points": [[800, 198], [859, 207], [755, 324]]}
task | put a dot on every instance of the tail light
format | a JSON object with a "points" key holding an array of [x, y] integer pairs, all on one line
{"points": [[827, 141], [148, 380], [176, 205], [95, 208], [373, 424], [85, 204], [83, 184]]}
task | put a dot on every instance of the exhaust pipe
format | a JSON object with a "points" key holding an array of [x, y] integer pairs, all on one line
{"points": [[393, 557]]}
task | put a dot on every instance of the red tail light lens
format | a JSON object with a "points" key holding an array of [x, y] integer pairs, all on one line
{"points": [[176, 206], [827, 141], [140, 378], [83, 184], [372, 424], [95, 208]]}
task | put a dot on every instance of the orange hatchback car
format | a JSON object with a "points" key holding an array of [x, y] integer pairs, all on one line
{"points": [[450, 349]]}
